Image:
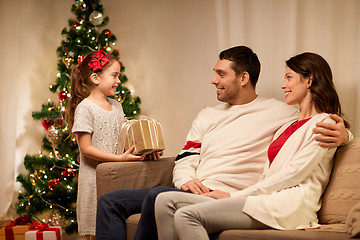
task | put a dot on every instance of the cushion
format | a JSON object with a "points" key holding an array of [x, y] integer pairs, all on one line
{"points": [[353, 221], [343, 191]]}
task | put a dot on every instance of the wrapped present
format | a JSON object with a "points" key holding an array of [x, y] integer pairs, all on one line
{"points": [[144, 133], [41, 231], [16, 230]]}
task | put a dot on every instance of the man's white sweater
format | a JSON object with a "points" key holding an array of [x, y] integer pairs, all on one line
{"points": [[227, 144]]}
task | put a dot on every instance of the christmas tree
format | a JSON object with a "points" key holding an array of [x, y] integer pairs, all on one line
{"points": [[51, 182]]}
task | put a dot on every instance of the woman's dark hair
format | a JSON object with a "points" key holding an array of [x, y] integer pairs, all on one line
{"points": [[243, 60], [81, 83], [322, 87]]}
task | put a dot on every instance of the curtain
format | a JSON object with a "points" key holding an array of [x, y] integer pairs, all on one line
{"points": [[279, 29]]}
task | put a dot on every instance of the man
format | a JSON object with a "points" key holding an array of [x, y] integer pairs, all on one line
{"points": [[226, 146]]}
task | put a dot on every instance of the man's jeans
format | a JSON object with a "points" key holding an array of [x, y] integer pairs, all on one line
{"points": [[115, 207]]}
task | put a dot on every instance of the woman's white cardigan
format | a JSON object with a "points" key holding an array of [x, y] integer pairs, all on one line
{"points": [[288, 194]]}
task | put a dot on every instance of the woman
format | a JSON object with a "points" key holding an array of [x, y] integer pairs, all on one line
{"points": [[288, 194]]}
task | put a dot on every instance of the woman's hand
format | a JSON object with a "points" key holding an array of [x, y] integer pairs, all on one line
{"points": [[217, 194]]}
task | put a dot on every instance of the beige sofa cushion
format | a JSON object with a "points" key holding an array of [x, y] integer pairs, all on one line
{"points": [[353, 221], [343, 191]]}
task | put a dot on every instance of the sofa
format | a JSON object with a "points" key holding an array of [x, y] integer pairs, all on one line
{"points": [[339, 216]]}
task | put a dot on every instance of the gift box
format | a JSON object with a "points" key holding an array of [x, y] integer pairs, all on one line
{"points": [[144, 133], [41, 231], [16, 230]]}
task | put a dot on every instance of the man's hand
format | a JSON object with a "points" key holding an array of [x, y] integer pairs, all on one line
{"points": [[217, 194], [331, 135], [195, 186]]}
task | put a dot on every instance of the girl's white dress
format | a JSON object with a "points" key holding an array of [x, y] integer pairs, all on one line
{"points": [[104, 127]]}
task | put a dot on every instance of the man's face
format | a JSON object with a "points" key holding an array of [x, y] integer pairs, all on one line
{"points": [[227, 84]]}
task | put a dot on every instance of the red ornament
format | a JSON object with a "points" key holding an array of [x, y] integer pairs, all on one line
{"points": [[47, 123], [52, 183], [107, 32], [63, 95], [68, 172], [75, 24], [66, 49]]}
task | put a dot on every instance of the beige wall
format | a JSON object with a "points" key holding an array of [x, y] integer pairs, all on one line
{"points": [[168, 48]]}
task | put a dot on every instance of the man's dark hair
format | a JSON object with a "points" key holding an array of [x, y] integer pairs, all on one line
{"points": [[244, 60]]}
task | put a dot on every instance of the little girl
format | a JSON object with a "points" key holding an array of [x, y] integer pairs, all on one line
{"points": [[95, 119]]}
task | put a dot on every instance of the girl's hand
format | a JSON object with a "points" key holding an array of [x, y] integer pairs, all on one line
{"points": [[217, 194], [129, 156], [154, 155]]}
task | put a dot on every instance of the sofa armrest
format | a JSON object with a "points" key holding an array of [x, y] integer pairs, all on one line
{"points": [[112, 176]]}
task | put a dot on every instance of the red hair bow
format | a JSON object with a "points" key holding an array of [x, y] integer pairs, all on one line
{"points": [[99, 62]]}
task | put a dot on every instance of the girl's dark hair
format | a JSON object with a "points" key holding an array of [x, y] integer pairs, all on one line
{"points": [[81, 84], [322, 87]]}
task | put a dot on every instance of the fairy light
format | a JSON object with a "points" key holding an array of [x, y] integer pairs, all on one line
{"points": [[113, 44], [135, 112], [45, 176], [89, 30], [58, 75], [93, 38]]}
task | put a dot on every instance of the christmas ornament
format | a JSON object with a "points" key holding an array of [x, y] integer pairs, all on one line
{"points": [[53, 136], [80, 58], [55, 219], [62, 95], [66, 49], [47, 123], [68, 172], [59, 122], [52, 183], [75, 24], [96, 18], [67, 61], [108, 48], [107, 32]]}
